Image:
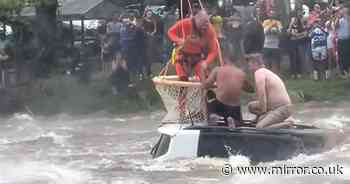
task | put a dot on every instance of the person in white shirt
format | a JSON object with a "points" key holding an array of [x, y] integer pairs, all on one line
{"points": [[272, 30]]}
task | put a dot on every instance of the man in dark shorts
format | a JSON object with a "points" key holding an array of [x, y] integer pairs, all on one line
{"points": [[229, 81]]}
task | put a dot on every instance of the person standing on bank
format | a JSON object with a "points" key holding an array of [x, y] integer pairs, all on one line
{"points": [[342, 28], [297, 37], [272, 29]]}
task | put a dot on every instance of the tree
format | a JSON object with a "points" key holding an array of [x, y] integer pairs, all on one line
{"points": [[45, 30], [43, 27]]}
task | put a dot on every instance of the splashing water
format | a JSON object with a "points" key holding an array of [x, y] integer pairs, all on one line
{"points": [[109, 149], [32, 172]]}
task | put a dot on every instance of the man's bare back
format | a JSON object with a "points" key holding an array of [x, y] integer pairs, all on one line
{"points": [[273, 106], [272, 87], [229, 81]]}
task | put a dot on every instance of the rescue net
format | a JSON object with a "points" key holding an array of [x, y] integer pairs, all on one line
{"points": [[183, 101]]}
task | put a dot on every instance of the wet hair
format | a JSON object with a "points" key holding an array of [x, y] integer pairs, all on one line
{"points": [[255, 58]]}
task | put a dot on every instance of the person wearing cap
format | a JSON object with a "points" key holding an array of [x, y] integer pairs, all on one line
{"points": [[197, 42], [273, 106]]}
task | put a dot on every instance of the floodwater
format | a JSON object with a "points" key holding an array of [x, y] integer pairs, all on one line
{"points": [[109, 149]]}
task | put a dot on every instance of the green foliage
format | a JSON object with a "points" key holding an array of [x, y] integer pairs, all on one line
{"points": [[66, 94], [308, 90], [8, 7]]}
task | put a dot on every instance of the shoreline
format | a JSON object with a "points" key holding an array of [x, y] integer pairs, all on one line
{"points": [[65, 94]]}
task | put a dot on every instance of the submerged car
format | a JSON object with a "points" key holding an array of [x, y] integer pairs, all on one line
{"points": [[260, 145]]}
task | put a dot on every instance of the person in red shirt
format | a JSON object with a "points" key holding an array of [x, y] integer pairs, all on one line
{"points": [[314, 15], [197, 42]]}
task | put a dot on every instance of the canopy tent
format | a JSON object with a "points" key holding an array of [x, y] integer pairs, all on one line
{"points": [[77, 9]]}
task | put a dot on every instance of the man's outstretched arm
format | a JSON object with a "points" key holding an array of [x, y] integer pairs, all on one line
{"points": [[175, 32], [210, 81]]}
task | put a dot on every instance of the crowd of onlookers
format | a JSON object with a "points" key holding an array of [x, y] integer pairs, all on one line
{"points": [[320, 39], [316, 40], [130, 43]]}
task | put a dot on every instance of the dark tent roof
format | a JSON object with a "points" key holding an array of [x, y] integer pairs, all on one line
{"points": [[89, 9], [76, 9], [155, 2], [79, 7]]}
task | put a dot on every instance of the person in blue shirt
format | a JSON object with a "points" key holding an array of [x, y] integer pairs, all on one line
{"points": [[318, 38]]}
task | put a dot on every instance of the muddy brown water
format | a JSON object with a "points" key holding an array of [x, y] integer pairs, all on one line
{"points": [[110, 149]]}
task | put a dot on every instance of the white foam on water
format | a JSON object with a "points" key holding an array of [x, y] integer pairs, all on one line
{"points": [[106, 163], [30, 172], [57, 139], [136, 118], [23, 117], [4, 141], [20, 128], [65, 128], [201, 180], [128, 153], [177, 166], [208, 162], [186, 165], [119, 120], [239, 160], [21, 136], [128, 181], [141, 131], [333, 122]]}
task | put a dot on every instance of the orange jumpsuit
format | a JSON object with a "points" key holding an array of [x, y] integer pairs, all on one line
{"points": [[208, 41]]}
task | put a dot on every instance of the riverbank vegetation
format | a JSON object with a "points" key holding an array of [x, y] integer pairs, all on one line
{"points": [[66, 94], [306, 90]]}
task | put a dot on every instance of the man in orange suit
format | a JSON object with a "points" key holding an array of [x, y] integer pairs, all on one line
{"points": [[197, 42]]}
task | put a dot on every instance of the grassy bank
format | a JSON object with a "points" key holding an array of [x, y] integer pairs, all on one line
{"points": [[308, 90], [66, 94]]}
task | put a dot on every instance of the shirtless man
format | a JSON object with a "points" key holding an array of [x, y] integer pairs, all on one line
{"points": [[273, 106], [229, 81]]}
